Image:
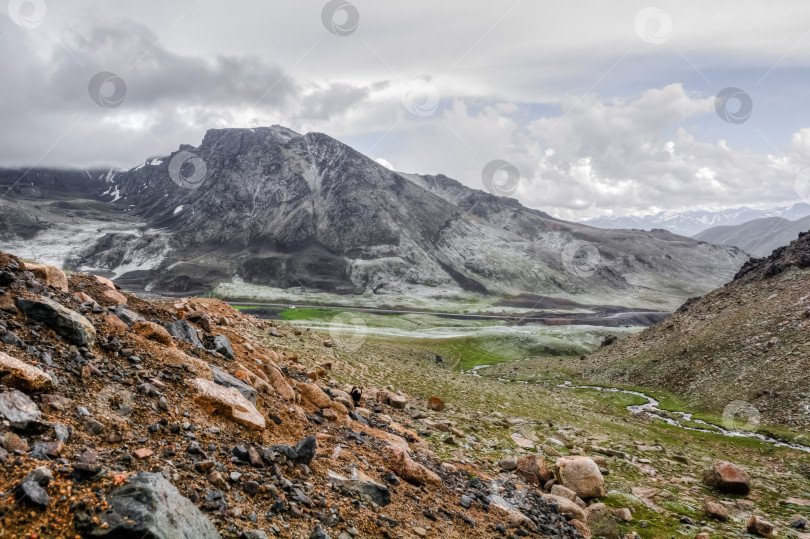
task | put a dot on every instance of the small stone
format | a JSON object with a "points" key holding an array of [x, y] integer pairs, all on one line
{"points": [[93, 426], [508, 464], [35, 494], [759, 526], [436, 404], [18, 409], [465, 501], [716, 510], [143, 453], [19, 375], [223, 346], [563, 492], [153, 332], [228, 401]]}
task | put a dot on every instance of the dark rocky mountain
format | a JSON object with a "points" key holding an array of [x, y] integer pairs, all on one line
{"points": [[268, 207], [758, 237]]}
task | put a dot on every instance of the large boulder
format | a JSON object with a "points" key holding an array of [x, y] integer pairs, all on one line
{"points": [[50, 275], [18, 409], [582, 475], [15, 373], [227, 380], [314, 394], [214, 398], [728, 478], [150, 507], [67, 323], [410, 470]]}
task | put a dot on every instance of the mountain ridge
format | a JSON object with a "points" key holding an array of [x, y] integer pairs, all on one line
{"points": [[269, 207], [759, 237], [693, 222]]}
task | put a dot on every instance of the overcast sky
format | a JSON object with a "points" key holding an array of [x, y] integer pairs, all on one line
{"points": [[603, 107]]}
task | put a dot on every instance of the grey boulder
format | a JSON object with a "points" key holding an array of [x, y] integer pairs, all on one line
{"points": [[223, 346], [184, 331], [69, 324], [150, 507], [18, 409], [224, 379]]}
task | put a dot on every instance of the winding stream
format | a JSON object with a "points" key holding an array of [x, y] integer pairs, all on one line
{"points": [[651, 408]]}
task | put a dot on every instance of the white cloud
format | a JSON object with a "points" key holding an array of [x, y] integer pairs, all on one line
{"points": [[595, 119]]}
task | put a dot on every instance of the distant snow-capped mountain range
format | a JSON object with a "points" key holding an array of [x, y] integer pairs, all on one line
{"points": [[690, 223]]}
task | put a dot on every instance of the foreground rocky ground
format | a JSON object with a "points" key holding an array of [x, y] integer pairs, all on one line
{"points": [[131, 418]]}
